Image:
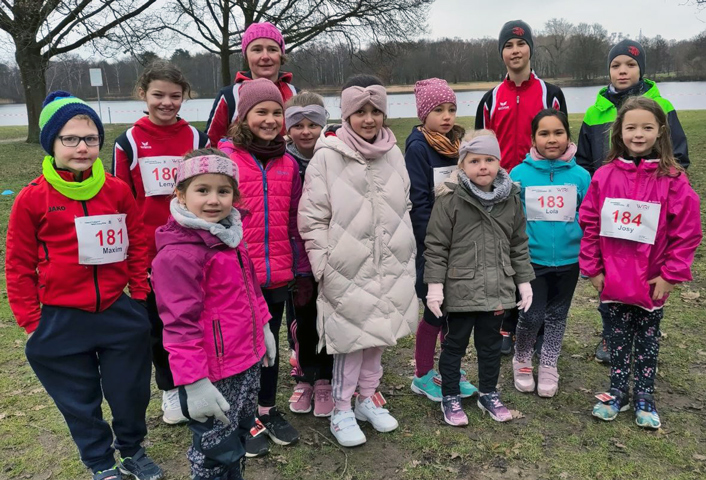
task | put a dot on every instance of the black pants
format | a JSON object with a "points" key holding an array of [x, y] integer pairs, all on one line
{"points": [[160, 357], [275, 298], [79, 357], [313, 364], [487, 339]]}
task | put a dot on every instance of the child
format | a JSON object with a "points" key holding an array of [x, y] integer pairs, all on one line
{"points": [[626, 66], [215, 318], [271, 188], [74, 242], [354, 217], [305, 117], [146, 157], [476, 250], [641, 227], [553, 187], [431, 154]]}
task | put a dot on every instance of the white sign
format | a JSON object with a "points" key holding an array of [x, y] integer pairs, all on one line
{"points": [[96, 77], [158, 174], [552, 203], [630, 220], [102, 239], [441, 174]]}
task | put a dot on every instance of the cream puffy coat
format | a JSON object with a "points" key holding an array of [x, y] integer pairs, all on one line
{"points": [[354, 219]]}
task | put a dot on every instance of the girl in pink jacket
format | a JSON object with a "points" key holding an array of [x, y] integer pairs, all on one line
{"points": [[641, 225], [215, 317]]}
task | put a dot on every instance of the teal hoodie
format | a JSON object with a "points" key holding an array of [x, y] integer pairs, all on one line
{"points": [[552, 244]]}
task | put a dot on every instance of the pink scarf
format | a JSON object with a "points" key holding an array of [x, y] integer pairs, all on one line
{"points": [[383, 143], [566, 157]]}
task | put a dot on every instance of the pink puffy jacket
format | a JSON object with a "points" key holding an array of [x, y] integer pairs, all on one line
{"points": [[271, 196], [628, 265], [211, 305]]}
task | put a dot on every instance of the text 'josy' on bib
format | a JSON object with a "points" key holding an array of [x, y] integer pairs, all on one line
{"points": [[158, 174], [630, 220], [551, 203], [102, 239]]}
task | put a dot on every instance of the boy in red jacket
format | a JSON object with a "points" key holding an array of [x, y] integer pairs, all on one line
{"points": [[74, 242]]}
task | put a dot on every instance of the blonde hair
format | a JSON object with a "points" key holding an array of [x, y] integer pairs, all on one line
{"points": [[304, 98], [470, 135]]}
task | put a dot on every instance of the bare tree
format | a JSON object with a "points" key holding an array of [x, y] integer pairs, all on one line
{"points": [[42, 29], [555, 43]]}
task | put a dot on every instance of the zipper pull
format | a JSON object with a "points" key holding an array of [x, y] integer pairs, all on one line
{"points": [[551, 175], [518, 99]]}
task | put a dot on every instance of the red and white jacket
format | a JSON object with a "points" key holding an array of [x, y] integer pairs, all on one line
{"points": [[148, 153]]}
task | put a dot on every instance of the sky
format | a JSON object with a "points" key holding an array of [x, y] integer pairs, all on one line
{"points": [[673, 19]]}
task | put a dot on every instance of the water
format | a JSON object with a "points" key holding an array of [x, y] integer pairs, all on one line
{"points": [[683, 95]]}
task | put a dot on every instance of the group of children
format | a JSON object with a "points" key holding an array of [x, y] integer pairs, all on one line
{"points": [[336, 227]]}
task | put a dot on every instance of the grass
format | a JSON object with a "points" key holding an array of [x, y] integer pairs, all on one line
{"points": [[555, 438]]}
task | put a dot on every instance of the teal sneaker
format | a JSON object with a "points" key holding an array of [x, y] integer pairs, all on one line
{"points": [[428, 385], [646, 415], [467, 388], [611, 404]]}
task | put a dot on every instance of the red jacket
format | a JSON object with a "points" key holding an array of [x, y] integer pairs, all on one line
{"points": [[224, 112], [147, 142], [42, 264], [271, 196], [508, 111]]}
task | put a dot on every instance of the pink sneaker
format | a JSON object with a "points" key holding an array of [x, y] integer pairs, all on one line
{"points": [[547, 381], [522, 373], [300, 401], [323, 399]]}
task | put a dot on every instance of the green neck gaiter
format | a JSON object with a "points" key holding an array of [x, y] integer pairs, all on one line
{"points": [[84, 190]]}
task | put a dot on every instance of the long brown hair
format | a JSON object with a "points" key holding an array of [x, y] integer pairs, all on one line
{"points": [[241, 134], [668, 165]]}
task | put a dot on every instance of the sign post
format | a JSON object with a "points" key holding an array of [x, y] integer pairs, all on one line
{"points": [[97, 81]]}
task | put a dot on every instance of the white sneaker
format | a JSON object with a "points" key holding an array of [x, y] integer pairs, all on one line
{"points": [[172, 408], [379, 417], [346, 429]]}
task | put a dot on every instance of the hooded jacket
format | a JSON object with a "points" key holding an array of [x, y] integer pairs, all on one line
{"points": [[552, 244], [479, 256], [594, 138], [211, 305], [628, 265], [354, 218]]}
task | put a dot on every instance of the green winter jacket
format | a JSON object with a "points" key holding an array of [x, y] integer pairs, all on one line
{"points": [[479, 256], [594, 138]]}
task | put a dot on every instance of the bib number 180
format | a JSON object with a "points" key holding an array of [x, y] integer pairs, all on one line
{"points": [[166, 174]]}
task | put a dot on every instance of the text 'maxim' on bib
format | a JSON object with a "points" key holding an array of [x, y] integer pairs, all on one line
{"points": [[102, 239], [630, 220], [158, 174], [551, 203], [441, 174]]}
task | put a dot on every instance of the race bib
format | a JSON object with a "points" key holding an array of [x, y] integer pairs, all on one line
{"points": [[553, 203], [630, 220], [158, 174], [441, 174], [102, 239]]}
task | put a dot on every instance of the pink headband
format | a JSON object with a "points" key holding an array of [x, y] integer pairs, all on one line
{"points": [[482, 145], [354, 98], [194, 166]]}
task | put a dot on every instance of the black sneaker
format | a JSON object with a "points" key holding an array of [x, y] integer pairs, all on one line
{"points": [[256, 446], [278, 429], [110, 474], [140, 466], [603, 351], [508, 342]]}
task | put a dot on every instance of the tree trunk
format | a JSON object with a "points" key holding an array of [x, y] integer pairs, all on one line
{"points": [[33, 68], [225, 68]]}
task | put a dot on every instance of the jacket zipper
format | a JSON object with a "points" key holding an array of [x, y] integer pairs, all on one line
{"points": [[252, 309], [373, 194], [220, 337], [46, 251], [95, 267], [267, 219], [215, 339]]}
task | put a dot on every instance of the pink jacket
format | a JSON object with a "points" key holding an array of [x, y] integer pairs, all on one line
{"points": [[212, 308], [628, 265], [271, 196]]}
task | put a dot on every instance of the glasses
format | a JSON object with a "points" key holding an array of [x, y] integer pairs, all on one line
{"points": [[73, 140]]}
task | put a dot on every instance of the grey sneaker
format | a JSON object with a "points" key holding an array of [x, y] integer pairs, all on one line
{"points": [[603, 351], [140, 466]]}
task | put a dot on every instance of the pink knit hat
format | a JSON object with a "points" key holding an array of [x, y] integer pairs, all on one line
{"points": [[194, 166], [256, 91], [432, 92], [262, 30]]}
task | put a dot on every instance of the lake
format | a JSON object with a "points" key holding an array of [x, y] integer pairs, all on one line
{"points": [[683, 95]]}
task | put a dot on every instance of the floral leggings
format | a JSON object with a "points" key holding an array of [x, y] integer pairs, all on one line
{"points": [[630, 324]]}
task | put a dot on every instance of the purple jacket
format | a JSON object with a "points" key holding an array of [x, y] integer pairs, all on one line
{"points": [[210, 302]]}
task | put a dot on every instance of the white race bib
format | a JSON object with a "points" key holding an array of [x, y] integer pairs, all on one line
{"points": [[552, 203], [158, 174], [441, 174], [630, 220], [102, 239]]}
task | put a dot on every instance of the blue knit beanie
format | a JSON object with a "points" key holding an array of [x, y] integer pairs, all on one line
{"points": [[58, 108]]}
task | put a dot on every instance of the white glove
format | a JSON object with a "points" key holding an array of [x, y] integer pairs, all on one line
{"points": [[204, 400], [526, 296], [270, 345], [435, 297]]}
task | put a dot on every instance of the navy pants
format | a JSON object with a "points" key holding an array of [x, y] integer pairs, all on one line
{"points": [[275, 299], [80, 356]]}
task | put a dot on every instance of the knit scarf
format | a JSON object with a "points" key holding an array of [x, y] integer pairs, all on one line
{"points": [[85, 190], [275, 148], [617, 97], [501, 189], [565, 157], [383, 142], [229, 230], [441, 143]]}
